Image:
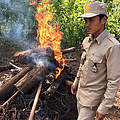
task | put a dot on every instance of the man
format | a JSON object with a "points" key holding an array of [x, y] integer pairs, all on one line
{"points": [[98, 77]]}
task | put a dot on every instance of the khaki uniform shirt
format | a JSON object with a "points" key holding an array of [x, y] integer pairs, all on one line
{"points": [[98, 76]]}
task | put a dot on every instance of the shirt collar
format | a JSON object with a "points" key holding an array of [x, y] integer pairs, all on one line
{"points": [[100, 37]]}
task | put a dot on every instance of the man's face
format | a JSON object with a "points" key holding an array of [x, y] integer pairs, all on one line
{"points": [[94, 25]]}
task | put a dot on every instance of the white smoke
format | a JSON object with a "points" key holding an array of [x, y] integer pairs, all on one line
{"points": [[16, 17], [40, 59]]}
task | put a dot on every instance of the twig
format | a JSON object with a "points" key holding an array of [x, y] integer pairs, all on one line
{"points": [[68, 50], [35, 102], [19, 68], [70, 60], [11, 98]]}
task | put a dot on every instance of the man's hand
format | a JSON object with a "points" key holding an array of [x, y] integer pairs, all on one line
{"points": [[73, 89], [99, 116]]}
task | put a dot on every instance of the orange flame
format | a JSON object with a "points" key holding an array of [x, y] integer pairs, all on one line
{"points": [[48, 33], [33, 3]]}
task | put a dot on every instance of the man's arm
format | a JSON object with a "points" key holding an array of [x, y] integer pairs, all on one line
{"points": [[113, 77], [76, 81]]}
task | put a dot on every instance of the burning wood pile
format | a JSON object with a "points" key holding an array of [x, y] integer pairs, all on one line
{"points": [[35, 89], [43, 68]]}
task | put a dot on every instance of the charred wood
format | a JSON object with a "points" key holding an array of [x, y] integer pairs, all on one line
{"points": [[32, 78], [53, 87], [7, 102], [23, 56], [29, 56], [26, 83], [70, 60], [4, 68], [68, 50], [54, 101], [7, 88]]}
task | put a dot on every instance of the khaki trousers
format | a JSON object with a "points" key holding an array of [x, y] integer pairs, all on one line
{"points": [[86, 113]]}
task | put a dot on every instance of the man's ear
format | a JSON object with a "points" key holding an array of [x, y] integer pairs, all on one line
{"points": [[104, 19]]}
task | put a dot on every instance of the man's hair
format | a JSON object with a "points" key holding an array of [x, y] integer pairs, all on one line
{"points": [[101, 16]]}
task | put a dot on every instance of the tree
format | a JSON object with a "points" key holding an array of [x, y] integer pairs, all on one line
{"points": [[67, 12]]}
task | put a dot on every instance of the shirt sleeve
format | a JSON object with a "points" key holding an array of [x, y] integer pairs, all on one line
{"points": [[113, 77], [77, 78]]}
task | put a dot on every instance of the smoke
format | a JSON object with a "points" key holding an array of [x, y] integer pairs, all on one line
{"points": [[16, 18], [41, 57], [16, 21]]}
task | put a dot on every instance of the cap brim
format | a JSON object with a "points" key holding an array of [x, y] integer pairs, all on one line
{"points": [[88, 15]]}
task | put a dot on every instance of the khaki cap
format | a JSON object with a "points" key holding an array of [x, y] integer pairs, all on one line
{"points": [[93, 9]]}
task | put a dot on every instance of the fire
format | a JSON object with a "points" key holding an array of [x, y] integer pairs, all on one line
{"points": [[33, 2], [48, 33]]}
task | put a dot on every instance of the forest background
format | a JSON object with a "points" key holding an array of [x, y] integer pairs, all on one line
{"points": [[18, 26]]}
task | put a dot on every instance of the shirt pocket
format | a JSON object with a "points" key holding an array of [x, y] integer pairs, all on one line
{"points": [[94, 71], [96, 59], [97, 63]]}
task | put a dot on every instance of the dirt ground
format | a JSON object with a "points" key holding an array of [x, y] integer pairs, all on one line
{"points": [[114, 112]]}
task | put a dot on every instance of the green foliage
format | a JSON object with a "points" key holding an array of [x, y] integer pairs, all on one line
{"points": [[66, 12], [113, 24], [16, 21]]}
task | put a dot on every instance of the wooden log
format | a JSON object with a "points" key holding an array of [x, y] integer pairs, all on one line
{"points": [[70, 60], [23, 81], [4, 68], [31, 79], [53, 87], [38, 73], [55, 83], [31, 56], [68, 50], [26, 52], [8, 88]]}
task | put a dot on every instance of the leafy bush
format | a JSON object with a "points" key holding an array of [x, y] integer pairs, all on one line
{"points": [[113, 24], [16, 22], [66, 12]]}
